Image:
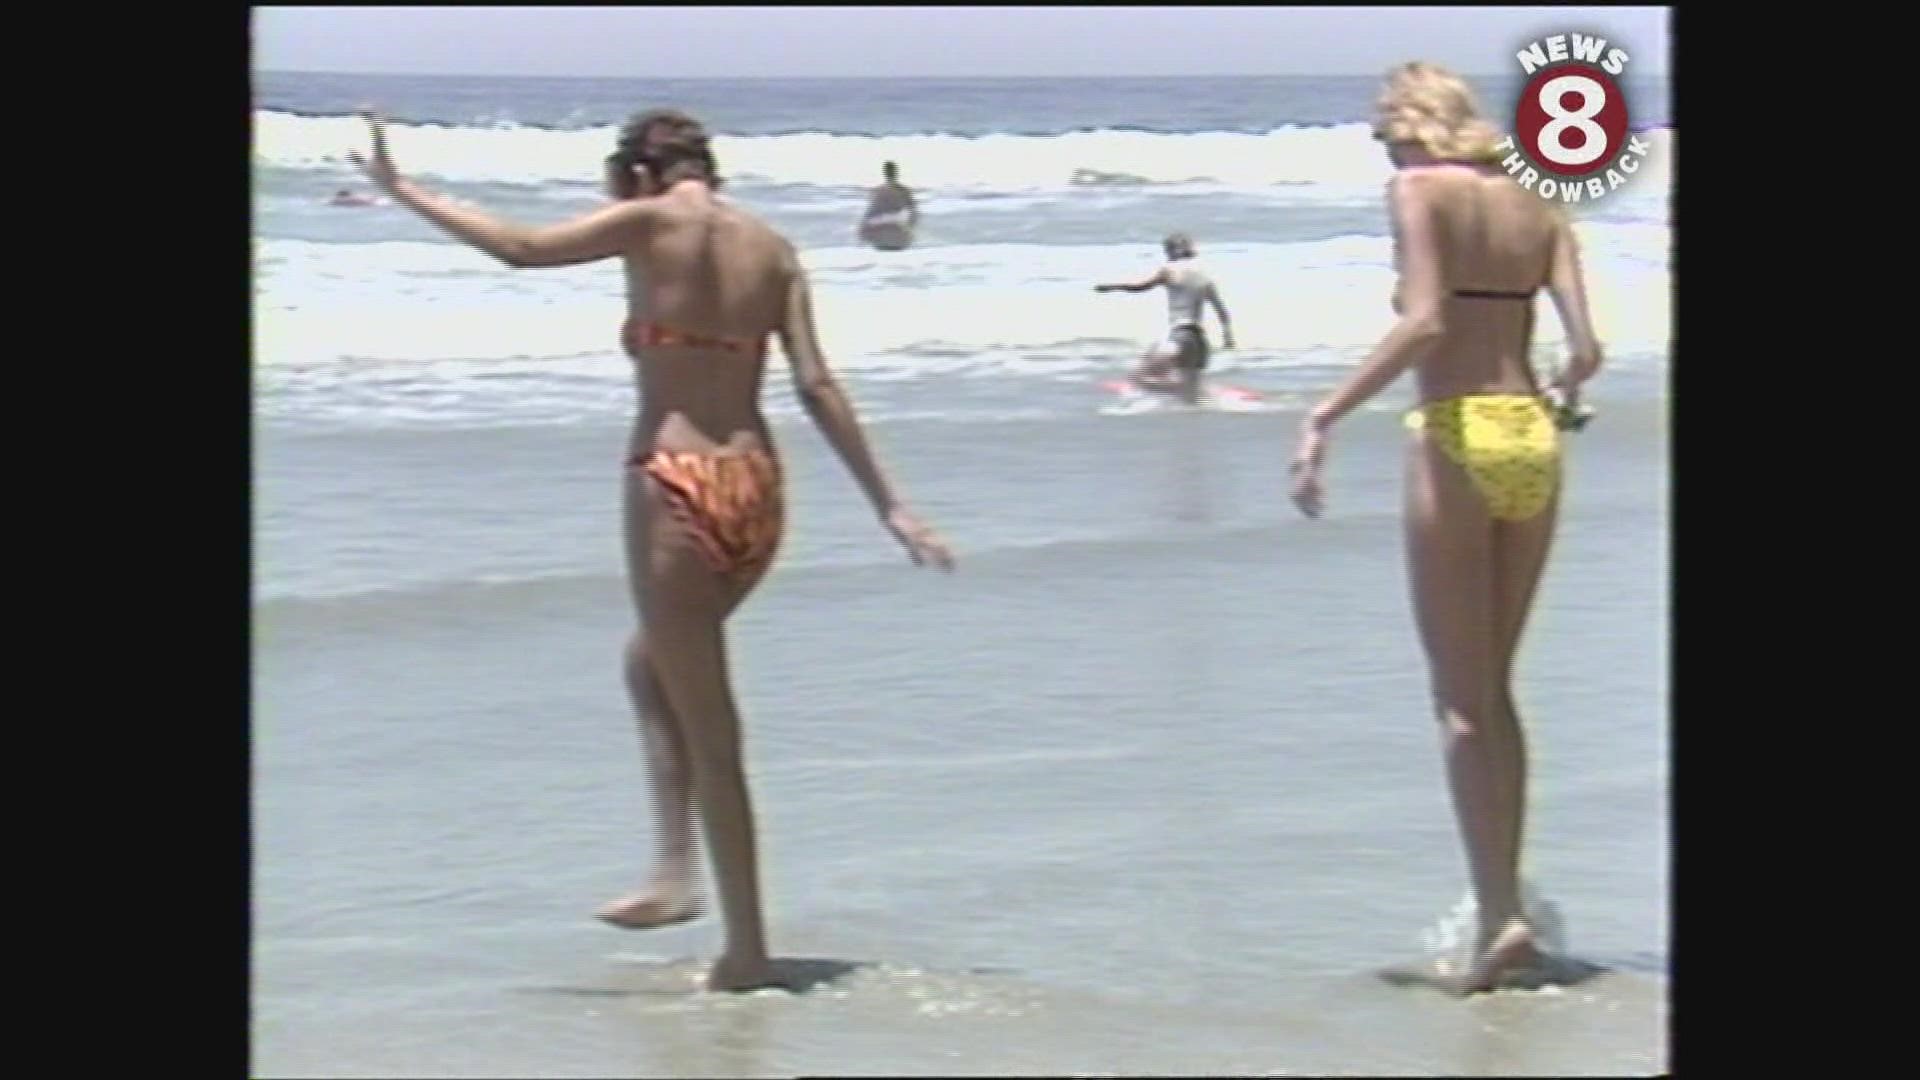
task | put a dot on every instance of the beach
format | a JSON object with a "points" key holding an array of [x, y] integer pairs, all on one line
{"points": [[1150, 784]]}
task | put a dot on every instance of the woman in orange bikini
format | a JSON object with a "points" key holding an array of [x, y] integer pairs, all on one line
{"points": [[707, 284], [1483, 468]]}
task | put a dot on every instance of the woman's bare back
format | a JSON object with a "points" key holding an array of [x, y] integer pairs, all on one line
{"points": [[1493, 237], [706, 269]]}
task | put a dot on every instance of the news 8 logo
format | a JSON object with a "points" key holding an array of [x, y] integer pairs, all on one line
{"points": [[1571, 121]]}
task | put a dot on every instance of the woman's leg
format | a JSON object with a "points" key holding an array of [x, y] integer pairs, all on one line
{"points": [[1451, 560], [670, 895], [689, 650], [1520, 558], [688, 600]]}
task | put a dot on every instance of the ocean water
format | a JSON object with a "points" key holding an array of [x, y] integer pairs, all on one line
{"points": [[1148, 785]]}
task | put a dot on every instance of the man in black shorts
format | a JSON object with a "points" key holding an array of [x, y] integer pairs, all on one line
{"points": [[1174, 365]]}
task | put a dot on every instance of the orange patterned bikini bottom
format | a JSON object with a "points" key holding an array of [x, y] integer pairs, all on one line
{"points": [[729, 502]]}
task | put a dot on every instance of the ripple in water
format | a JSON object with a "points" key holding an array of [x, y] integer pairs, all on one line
{"points": [[1448, 943]]}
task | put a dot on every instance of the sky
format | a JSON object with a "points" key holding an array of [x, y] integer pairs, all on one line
{"points": [[731, 42]]}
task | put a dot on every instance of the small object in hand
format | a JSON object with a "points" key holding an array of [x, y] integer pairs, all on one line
{"points": [[1567, 417]]}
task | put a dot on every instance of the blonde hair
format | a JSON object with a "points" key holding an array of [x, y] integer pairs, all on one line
{"points": [[1427, 104]]}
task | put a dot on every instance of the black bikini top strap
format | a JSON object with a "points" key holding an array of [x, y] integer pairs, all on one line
{"points": [[1493, 294]]}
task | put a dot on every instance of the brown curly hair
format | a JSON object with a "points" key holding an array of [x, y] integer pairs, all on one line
{"points": [[670, 144]]}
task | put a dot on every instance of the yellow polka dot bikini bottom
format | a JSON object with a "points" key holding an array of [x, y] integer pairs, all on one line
{"points": [[1507, 443]]}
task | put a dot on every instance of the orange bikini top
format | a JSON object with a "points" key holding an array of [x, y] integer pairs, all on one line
{"points": [[642, 335]]}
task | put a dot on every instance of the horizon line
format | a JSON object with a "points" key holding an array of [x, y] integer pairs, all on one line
{"points": [[868, 78]]}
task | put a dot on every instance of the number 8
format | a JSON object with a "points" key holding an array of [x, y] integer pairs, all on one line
{"points": [[1593, 98]]}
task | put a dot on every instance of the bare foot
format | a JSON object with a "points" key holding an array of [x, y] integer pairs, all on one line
{"points": [[1507, 957], [731, 973], [657, 905]]}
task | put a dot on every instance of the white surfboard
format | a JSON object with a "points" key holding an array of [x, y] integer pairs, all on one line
{"points": [[887, 232]]}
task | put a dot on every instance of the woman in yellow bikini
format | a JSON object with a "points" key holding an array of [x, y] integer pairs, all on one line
{"points": [[1483, 467], [707, 284]]}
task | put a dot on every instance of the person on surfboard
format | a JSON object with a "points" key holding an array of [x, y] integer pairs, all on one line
{"points": [[1174, 365], [892, 215]]}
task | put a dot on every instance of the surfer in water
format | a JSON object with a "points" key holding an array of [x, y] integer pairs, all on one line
{"points": [[1174, 365], [707, 285], [1484, 463], [892, 214]]}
